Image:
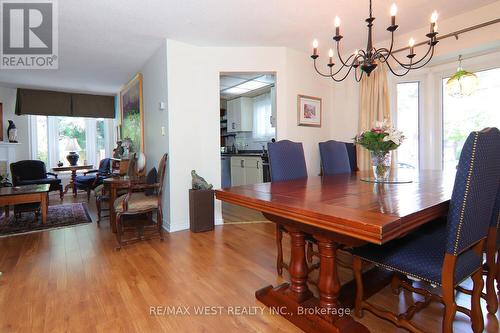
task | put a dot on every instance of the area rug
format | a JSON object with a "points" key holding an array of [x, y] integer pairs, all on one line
{"points": [[58, 216]]}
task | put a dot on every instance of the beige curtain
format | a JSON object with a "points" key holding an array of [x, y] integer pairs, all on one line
{"points": [[373, 106]]}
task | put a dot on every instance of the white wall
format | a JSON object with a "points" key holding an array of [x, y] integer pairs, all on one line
{"points": [[154, 73], [193, 103], [8, 98], [486, 40]]}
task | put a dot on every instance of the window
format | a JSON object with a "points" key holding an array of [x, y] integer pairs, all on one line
{"points": [[54, 137], [262, 112], [408, 123], [470, 113]]}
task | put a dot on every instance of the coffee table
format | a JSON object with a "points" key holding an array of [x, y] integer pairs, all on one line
{"points": [[25, 194], [73, 169]]}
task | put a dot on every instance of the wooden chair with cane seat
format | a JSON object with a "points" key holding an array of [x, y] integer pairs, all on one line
{"points": [[444, 254], [138, 202]]}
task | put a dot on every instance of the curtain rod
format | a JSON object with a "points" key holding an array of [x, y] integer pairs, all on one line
{"points": [[455, 33]]}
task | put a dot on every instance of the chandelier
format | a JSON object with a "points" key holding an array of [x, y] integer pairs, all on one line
{"points": [[462, 83], [367, 60]]}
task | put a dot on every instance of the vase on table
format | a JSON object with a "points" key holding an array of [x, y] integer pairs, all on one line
{"points": [[381, 164]]}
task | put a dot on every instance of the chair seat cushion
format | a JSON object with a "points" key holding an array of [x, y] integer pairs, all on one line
{"points": [[138, 202], [85, 179], [420, 255]]}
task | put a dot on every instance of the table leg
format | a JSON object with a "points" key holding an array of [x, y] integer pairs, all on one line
{"points": [[295, 301], [7, 213], [73, 182], [44, 204], [112, 214], [298, 267]]}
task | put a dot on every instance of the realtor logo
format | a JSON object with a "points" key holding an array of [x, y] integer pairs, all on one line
{"points": [[29, 34]]}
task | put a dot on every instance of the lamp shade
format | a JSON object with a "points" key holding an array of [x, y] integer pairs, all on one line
{"points": [[72, 145], [462, 83]]}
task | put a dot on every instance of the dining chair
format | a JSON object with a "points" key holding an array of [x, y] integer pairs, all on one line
{"points": [[492, 266], [353, 156], [93, 178], [286, 162], [443, 254], [334, 158], [140, 201]]}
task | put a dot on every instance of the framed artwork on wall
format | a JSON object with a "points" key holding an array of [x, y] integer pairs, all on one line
{"points": [[309, 111], [132, 114]]}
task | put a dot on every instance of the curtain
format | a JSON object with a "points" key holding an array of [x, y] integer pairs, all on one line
{"points": [[54, 103], [373, 106], [262, 113]]}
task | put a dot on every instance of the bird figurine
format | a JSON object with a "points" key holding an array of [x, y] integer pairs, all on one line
{"points": [[199, 183]]}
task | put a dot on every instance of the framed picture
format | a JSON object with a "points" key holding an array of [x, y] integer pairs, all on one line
{"points": [[309, 111], [132, 114]]}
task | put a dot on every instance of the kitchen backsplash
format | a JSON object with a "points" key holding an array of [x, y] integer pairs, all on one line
{"points": [[246, 141]]}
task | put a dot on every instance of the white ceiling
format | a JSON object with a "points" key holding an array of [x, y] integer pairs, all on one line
{"points": [[103, 43]]}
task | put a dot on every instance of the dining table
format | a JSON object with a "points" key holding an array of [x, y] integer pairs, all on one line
{"points": [[339, 212]]}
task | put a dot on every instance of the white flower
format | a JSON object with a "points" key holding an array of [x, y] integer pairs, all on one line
{"points": [[395, 136]]}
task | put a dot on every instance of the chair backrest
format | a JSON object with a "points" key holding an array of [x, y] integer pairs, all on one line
{"points": [[495, 217], [105, 166], [161, 175], [334, 157], [474, 191], [132, 166], [28, 170], [353, 157], [286, 160]]}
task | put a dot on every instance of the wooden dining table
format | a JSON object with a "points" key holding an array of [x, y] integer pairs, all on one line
{"points": [[338, 212]]}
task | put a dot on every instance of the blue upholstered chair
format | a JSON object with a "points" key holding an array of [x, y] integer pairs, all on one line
{"points": [[93, 178], [334, 158], [286, 162], [352, 153], [445, 255]]}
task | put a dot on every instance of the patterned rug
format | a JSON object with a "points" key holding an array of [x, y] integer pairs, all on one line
{"points": [[58, 216]]}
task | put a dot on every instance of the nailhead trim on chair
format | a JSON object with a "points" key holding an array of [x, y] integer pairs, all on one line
{"points": [[466, 194]]}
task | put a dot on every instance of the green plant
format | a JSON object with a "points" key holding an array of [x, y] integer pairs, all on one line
{"points": [[381, 138]]}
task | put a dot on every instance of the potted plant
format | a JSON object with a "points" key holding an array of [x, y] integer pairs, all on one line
{"points": [[381, 140]]}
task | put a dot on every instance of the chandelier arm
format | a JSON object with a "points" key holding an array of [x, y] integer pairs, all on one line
{"points": [[339, 55], [412, 64], [397, 74], [379, 55], [318, 71], [425, 63], [356, 76], [343, 78]]}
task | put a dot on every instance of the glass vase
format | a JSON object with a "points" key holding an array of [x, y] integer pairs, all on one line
{"points": [[381, 164]]}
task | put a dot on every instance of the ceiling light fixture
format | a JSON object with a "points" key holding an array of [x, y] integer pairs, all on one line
{"points": [[462, 83], [367, 60]]}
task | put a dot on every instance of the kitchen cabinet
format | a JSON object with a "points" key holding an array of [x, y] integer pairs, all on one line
{"points": [[246, 170], [240, 115]]}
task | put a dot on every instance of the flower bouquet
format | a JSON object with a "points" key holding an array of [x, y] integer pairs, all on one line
{"points": [[380, 141]]}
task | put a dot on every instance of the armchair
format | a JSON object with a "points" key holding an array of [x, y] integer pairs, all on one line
{"points": [[30, 172], [138, 201], [93, 178]]}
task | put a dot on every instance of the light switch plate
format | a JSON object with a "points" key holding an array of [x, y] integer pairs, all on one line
{"points": [[163, 130], [162, 105]]}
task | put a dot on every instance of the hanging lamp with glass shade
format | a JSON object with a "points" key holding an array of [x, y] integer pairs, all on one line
{"points": [[462, 83]]}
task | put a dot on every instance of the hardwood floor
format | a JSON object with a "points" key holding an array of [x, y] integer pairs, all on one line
{"points": [[72, 280]]}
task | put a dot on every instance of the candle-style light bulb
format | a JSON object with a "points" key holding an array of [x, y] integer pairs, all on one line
{"points": [[330, 55], [434, 17], [336, 22], [435, 27], [411, 43], [394, 11], [315, 47]]}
